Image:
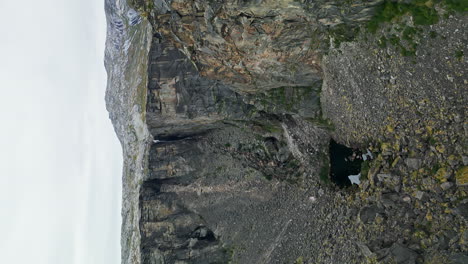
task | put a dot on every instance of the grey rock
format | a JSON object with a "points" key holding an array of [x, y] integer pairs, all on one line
{"points": [[391, 182], [446, 185], [465, 160], [462, 210], [442, 243], [407, 199], [413, 163], [458, 258], [390, 199], [368, 214], [419, 195], [400, 254], [366, 252]]}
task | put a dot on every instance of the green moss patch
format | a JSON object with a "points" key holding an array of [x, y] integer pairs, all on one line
{"points": [[456, 5], [422, 13], [325, 169]]}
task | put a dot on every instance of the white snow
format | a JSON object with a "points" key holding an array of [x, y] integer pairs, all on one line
{"points": [[367, 155], [355, 179]]}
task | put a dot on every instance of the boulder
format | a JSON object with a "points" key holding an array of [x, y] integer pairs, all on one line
{"points": [[366, 252], [389, 181], [446, 185], [367, 214], [400, 254], [419, 195], [458, 258], [413, 163]]}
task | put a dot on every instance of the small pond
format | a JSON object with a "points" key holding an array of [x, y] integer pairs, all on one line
{"points": [[344, 161]]}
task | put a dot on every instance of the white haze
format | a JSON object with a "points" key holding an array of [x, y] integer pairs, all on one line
{"points": [[60, 161]]}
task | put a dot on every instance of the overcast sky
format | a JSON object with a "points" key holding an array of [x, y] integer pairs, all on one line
{"points": [[60, 161]]}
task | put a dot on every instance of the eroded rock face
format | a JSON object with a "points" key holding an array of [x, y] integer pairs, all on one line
{"points": [[226, 146], [252, 45], [170, 232], [225, 181], [180, 101]]}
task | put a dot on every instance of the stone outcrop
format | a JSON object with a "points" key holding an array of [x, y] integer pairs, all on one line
{"points": [[252, 45], [226, 109]]}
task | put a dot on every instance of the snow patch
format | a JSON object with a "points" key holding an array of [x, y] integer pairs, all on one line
{"points": [[355, 179]]}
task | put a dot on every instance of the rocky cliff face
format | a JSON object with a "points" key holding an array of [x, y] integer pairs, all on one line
{"points": [[225, 111]]}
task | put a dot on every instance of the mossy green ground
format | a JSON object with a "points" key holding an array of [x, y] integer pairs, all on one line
{"points": [[423, 13]]}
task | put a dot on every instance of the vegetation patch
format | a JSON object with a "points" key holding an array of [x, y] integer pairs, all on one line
{"points": [[343, 33], [456, 5], [269, 127], [286, 98], [322, 122], [144, 7], [325, 169], [365, 167], [423, 13], [299, 260], [462, 176], [229, 252]]}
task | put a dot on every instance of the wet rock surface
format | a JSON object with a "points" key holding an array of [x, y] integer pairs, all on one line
{"points": [[225, 111]]}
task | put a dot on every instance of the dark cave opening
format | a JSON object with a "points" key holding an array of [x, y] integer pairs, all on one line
{"points": [[344, 161]]}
